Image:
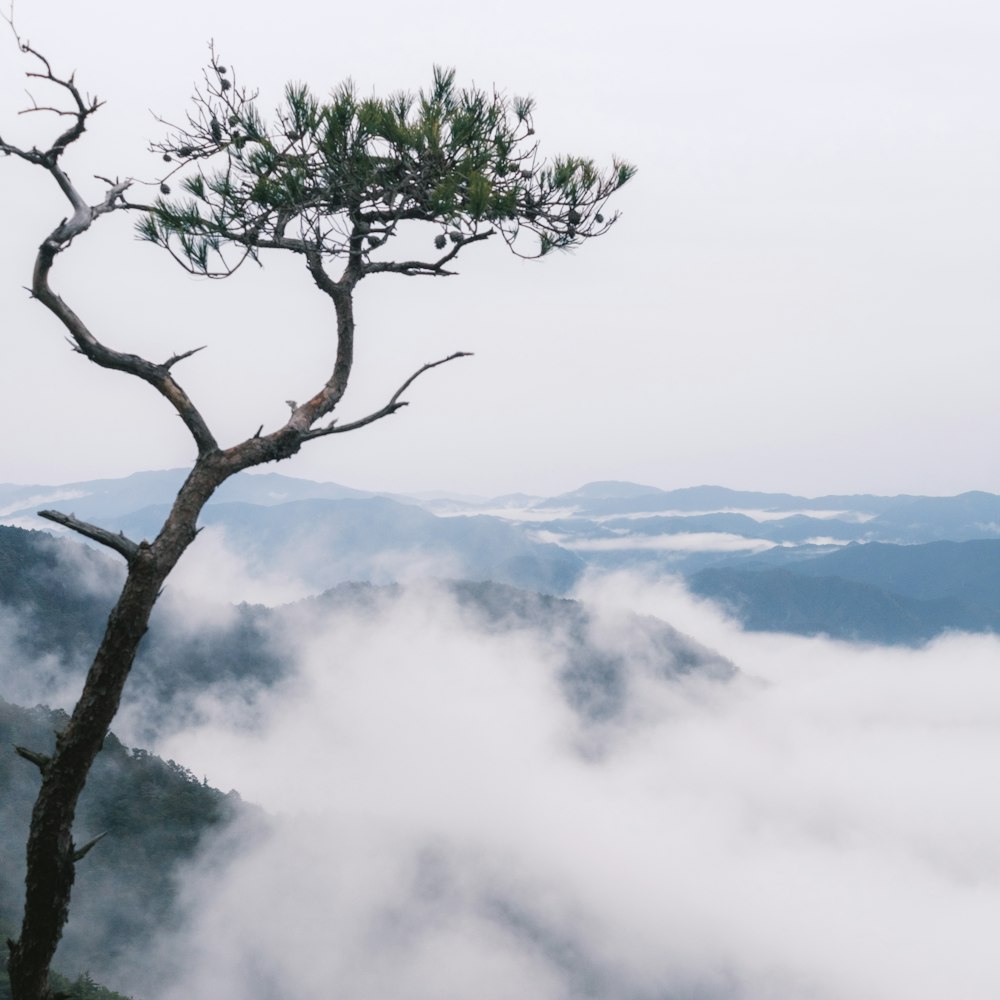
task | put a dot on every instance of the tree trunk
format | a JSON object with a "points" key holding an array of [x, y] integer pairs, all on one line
{"points": [[51, 853]]}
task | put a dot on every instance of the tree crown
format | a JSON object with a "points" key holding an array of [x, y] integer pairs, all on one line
{"points": [[338, 177]]}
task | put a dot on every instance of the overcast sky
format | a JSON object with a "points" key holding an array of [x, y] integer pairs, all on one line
{"points": [[801, 293]]}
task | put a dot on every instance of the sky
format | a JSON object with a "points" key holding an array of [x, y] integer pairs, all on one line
{"points": [[800, 294]]}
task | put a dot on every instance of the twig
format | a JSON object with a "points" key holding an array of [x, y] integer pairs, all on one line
{"points": [[391, 407], [171, 361], [415, 268]]}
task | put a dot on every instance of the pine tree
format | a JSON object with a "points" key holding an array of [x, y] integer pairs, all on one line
{"points": [[333, 182]]}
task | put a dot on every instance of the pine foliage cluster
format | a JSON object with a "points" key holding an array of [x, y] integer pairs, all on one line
{"points": [[339, 176]]}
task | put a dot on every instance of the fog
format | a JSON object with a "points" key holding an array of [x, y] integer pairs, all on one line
{"points": [[44, 678], [447, 825], [35, 672]]}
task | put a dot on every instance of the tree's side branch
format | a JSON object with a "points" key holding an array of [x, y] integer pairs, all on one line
{"points": [[82, 110], [174, 359], [279, 242], [413, 268], [81, 852], [40, 760], [31, 155], [410, 268], [87, 344], [63, 235], [123, 546], [391, 407], [35, 106]]}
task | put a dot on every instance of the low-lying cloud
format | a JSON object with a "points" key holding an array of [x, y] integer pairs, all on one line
{"points": [[214, 571], [683, 541], [447, 825]]}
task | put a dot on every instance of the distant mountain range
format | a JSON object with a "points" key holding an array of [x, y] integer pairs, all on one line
{"points": [[115, 497], [853, 566], [601, 499]]}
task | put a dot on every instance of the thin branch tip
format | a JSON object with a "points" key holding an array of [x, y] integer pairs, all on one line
{"points": [[175, 358]]}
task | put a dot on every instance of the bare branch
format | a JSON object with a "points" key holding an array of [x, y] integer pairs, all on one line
{"points": [[63, 235], [414, 268], [83, 107], [87, 344], [391, 407], [122, 545], [40, 760], [42, 107], [80, 853], [171, 361]]}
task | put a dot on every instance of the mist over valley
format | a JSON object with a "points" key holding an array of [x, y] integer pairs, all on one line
{"points": [[646, 645], [618, 742]]}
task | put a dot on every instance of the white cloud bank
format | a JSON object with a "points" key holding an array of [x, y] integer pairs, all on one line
{"points": [[686, 541], [447, 827]]}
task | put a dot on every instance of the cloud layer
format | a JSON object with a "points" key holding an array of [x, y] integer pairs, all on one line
{"points": [[446, 825]]}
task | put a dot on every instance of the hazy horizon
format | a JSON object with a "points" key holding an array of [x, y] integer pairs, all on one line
{"points": [[281, 469]]}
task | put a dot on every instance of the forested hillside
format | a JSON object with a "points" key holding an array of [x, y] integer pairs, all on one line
{"points": [[240, 648], [872, 593], [154, 814]]}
